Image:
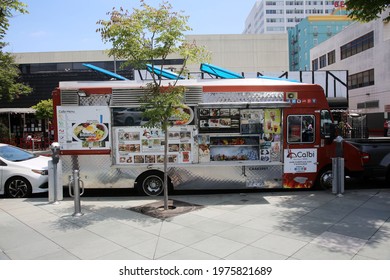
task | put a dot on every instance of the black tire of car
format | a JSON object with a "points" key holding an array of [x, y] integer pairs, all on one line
{"points": [[324, 180], [388, 176], [18, 187], [151, 184]]}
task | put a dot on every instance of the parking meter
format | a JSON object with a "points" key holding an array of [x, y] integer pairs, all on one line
{"points": [[339, 146], [338, 168], [55, 148]]}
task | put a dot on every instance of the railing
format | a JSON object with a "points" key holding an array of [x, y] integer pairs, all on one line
{"points": [[33, 144]]}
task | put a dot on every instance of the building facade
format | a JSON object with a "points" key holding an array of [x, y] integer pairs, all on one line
{"points": [[364, 50], [44, 70], [310, 32], [280, 15], [245, 52]]}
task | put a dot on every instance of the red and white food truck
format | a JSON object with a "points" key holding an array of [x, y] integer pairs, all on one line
{"points": [[241, 133]]}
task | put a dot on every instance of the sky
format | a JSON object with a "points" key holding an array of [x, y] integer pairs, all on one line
{"points": [[70, 25]]}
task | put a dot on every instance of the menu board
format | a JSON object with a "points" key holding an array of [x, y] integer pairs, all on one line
{"points": [[252, 121], [219, 120], [83, 127], [139, 145]]}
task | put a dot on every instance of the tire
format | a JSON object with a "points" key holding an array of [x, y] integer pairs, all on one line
{"points": [[325, 179], [387, 176], [151, 184], [18, 187]]}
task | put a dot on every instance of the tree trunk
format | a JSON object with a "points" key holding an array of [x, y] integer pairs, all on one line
{"points": [[165, 129]]}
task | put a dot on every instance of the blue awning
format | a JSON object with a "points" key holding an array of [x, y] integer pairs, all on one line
{"points": [[277, 78], [219, 72], [163, 73], [104, 71]]}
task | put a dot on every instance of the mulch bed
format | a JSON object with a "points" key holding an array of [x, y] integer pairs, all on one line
{"points": [[175, 208]]}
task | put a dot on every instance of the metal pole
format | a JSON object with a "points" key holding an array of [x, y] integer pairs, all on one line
{"points": [[76, 193], [338, 169], [55, 183]]}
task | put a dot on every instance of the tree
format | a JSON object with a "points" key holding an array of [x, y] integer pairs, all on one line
{"points": [[365, 11], [146, 35], [44, 111], [10, 87]]}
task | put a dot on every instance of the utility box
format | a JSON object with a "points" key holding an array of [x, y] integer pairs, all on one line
{"points": [[338, 177]]}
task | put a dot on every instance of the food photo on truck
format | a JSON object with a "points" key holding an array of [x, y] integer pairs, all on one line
{"points": [[239, 134]]}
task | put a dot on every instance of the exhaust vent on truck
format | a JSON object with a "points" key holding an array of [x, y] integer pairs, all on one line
{"points": [[132, 97], [126, 97], [69, 98], [194, 95]]}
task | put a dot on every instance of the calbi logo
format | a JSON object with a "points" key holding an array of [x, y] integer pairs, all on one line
{"points": [[300, 154]]}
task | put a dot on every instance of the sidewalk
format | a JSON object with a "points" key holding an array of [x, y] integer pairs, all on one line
{"points": [[265, 225]]}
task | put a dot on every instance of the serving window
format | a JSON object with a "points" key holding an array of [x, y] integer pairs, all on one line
{"points": [[300, 128]]}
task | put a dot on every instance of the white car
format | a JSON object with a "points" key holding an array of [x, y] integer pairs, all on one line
{"points": [[21, 172]]}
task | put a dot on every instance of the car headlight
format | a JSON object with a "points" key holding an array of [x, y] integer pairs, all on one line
{"points": [[41, 172]]}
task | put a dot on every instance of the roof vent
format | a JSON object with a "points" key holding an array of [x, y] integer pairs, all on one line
{"points": [[126, 97], [69, 98]]}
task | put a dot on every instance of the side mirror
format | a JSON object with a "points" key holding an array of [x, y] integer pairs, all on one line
{"points": [[328, 131], [332, 131]]}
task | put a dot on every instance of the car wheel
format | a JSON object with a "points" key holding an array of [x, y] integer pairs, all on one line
{"points": [[325, 179], [151, 184], [387, 176], [18, 187]]}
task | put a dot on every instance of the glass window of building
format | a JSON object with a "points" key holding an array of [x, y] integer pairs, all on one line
{"points": [[323, 61], [331, 57], [361, 79], [358, 45], [314, 64]]}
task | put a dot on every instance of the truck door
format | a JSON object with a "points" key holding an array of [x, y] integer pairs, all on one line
{"points": [[300, 151]]}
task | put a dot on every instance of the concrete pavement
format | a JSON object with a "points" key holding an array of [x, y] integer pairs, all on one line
{"points": [[264, 225]]}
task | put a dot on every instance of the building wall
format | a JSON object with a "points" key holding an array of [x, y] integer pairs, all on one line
{"points": [[255, 20], [244, 52], [376, 57], [279, 15], [240, 53], [310, 32], [61, 57]]}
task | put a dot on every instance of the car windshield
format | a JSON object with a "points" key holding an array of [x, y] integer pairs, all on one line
{"points": [[15, 154]]}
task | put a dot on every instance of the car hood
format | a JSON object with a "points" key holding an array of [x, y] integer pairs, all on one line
{"points": [[40, 162]]}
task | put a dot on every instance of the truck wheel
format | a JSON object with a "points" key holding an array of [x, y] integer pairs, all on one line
{"points": [[325, 179], [152, 184], [18, 187], [388, 176]]}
